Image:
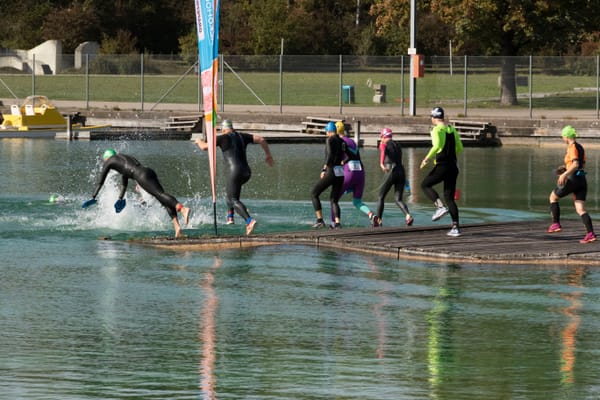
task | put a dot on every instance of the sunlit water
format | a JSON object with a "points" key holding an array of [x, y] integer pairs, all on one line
{"points": [[87, 318]]}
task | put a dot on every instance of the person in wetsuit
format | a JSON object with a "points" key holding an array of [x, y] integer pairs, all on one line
{"points": [[446, 145], [571, 179], [390, 161], [332, 174], [146, 178], [354, 174], [233, 145]]}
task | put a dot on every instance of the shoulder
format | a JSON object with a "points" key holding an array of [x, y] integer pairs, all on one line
{"points": [[438, 130], [245, 136]]}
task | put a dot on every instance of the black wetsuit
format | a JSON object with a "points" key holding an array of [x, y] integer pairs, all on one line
{"points": [[334, 177], [391, 157], [130, 168], [233, 145], [445, 170]]}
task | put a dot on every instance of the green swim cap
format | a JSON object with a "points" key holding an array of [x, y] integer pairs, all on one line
{"points": [[227, 124], [569, 132], [108, 153]]}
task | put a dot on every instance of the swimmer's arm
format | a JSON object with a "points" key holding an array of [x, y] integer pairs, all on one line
{"points": [[202, 144], [124, 181], [573, 167], [265, 146], [101, 181]]}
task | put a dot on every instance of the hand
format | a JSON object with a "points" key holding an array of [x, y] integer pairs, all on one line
{"points": [[269, 160], [120, 205], [562, 179], [88, 203], [424, 163]]}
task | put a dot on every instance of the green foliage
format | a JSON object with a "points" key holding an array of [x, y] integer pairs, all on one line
{"points": [[309, 27], [188, 46], [65, 24], [122, 43]]}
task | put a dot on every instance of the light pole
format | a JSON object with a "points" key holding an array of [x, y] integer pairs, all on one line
{"points": [[412, 51]]}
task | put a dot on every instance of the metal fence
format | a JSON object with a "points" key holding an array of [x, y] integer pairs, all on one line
{"points": [[288, 80]]}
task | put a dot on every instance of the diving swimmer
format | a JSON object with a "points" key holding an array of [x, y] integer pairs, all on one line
{"points": [[146, 178]]}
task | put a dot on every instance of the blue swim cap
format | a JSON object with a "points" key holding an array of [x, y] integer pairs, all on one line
{"points": [[330, 127]]}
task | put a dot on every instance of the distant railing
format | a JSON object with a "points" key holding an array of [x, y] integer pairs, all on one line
{"points": [[339, 81]]}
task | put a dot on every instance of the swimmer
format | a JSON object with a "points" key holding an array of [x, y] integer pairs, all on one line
{"points": [[354, 174], [390, 161], [446, 145], [332, 174], [233, 146], [146, 178], [571, 180]]}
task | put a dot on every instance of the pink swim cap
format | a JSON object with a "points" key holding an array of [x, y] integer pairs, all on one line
{"points": [[386, 133]]}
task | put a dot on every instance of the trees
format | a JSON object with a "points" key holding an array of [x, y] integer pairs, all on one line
{"points": [[358, 27], [491, 27], [517, 27]]}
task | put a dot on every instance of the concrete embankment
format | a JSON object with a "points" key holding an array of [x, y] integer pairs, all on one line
{"points": [[513, 125], [510, 129]]}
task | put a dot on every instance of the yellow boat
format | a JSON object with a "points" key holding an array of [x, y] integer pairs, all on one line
{"points": [[38, 117], [36, 112]]}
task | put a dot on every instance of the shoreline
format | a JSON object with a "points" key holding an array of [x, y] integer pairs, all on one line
{"points": [[514, 126]]}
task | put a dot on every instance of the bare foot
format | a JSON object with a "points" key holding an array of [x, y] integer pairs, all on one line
{"points": [[186, 215], [177, 233]]}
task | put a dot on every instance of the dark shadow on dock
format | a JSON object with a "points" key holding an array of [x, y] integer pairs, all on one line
{"points": [[524, 243]]}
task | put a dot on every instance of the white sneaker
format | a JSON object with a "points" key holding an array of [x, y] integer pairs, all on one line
{"points": [[439, 213], [455, 231]]}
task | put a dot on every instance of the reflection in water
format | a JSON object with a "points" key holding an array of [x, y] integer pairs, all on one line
{"points": [[569, 333], [439, 345], [378, 311], [207, 334]]}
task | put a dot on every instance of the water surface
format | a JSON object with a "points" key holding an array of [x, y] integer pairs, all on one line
{"points": [[84, 318]]}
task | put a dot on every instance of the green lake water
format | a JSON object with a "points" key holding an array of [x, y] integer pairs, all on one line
{"points": [[84, 318]]}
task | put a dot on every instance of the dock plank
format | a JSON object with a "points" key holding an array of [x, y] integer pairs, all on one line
{"points": [[525, 243]]}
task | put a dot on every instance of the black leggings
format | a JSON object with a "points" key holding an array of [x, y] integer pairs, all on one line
{"points": [[395, 178], [149, 182], [234, 191], [447, 173], [336, 183]]}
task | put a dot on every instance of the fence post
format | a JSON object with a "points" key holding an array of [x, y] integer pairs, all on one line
{"points": [[341, 82], [142, 80], [281, 79], [465, 87], [87, 81], [221, 82], [597, 86], [530, 87], [33, 75], [199, 86], [402, 85]]}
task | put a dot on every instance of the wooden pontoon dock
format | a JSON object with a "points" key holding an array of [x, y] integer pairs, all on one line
{"points": [[525, 243]]}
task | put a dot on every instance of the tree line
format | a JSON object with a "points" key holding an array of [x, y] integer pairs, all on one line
{"points": [[311, 27]]}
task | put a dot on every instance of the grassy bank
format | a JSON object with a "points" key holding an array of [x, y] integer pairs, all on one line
{"points": [[306, 89]]}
